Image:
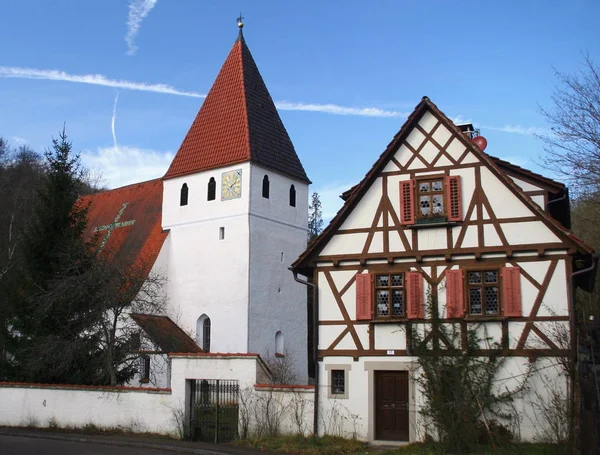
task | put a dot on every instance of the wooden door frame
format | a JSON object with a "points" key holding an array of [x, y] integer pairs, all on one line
{"points": [[371, 367]]}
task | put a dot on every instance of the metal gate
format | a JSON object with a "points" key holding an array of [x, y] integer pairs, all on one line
{"points": [[214, 409]]}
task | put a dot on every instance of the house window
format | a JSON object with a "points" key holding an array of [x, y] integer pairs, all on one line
{"points": [[206, 335], [292, 196], [183, 195], [265, 188], [483, 292], [389, 292], [145, 360], [338, 382], [212, 189], [431, 200]]}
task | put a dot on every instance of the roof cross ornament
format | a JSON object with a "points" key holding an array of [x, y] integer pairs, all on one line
{"points": [[112, 226], [239, 21]]}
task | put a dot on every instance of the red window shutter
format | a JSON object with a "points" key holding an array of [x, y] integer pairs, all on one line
{"points": [[363, 296], [511, 291], [454, 294], [407, 202], [414, 295], [454, 198]]}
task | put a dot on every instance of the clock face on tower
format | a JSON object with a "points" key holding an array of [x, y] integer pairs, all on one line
{"points": [[231, 184]]}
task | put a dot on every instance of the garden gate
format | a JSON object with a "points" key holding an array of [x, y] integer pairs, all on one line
{"points": [[214, 405]]}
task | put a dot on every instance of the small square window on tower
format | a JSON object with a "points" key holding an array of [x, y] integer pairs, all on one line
{"points": [[221, 233]]}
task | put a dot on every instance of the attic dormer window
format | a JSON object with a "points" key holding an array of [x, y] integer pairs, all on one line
{"points": [[212, 189], [183, 196], [292, 196], [265, 187], [431, 200]]}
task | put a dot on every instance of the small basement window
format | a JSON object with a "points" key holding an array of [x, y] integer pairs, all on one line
{"points": [[338, 382]]}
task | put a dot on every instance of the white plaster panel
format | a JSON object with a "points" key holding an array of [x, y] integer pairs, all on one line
{"points": [[467, 186], [403, 154], [443, 161], [390, 336], [432, 238], [525, 186], [484, 213], [490, 236], [429, 152], [515, 329], [328, 308], [555, 301], [347, 342], [345, 244], [341, 278], [380, 220], [415, 138], [363, 334], [428, 121], [470, 239], [416, 164], [505, 204], [364, 212], [528, 295], [441, 135], [396, 243], [539, 200], [328, 333], [376, 243], [531, 232], [391, 166], [456, 149], [537, 269]]}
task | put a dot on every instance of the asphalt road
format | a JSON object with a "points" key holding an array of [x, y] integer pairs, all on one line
{"points": [[21, 445]]}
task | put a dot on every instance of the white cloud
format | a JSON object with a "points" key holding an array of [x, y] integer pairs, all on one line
{"points": [[518, 129], [126, 165], [138, 10], [338, 110], [113, 120], [19, 140], [93, 79]]}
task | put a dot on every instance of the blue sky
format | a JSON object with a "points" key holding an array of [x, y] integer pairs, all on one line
{"points": [[344, 73]]}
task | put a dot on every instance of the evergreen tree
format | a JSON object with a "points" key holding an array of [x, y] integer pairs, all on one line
{"points": [[51, 340]]}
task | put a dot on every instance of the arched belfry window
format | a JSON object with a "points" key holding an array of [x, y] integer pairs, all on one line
{"points": [[183, 196], [266, 186], [203, 332], [212, 189], [279, 343], [292, 196]]}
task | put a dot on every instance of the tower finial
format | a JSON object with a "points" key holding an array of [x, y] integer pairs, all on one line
{"points": [[239, 21]]}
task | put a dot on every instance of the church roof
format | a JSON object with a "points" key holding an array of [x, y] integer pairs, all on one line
{"points": [[127, 222], [167, 335], [237, 122]]}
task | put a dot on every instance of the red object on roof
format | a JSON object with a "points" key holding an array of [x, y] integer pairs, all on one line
{"points": [[167, 335], [480, 142], [126, 222], [237, 122]]}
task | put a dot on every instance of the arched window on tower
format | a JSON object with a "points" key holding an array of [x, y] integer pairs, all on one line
{"points": [[183, 196], [292, 196], [266, 187], [212, 189], [279, 343], [203, 332]]}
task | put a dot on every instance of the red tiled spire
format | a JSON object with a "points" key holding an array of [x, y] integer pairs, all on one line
{"points": [[237, 122]]}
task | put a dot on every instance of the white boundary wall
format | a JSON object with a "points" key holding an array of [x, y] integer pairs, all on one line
{"points": [[151, 410]]}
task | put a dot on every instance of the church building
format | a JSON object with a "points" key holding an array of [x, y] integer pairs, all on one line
{"points": [[221, 227]]}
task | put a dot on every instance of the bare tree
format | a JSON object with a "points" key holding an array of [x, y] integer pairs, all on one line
{"points": [[573, 148]]}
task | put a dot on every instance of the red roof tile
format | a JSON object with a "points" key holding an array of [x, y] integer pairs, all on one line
{"points": [[136, 237], [167, 335], [237, 122]]}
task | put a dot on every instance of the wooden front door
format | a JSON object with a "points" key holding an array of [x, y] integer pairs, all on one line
{"points": [[391, 405]]}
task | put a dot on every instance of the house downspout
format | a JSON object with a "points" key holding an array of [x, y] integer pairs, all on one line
{"points": [[575, 336], [315, 346]]}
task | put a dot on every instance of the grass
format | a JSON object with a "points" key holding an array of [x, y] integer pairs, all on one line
{"points": [[329, 445]]}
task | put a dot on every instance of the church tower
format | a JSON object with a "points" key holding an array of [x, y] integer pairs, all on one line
{"points": [[235, 203]]}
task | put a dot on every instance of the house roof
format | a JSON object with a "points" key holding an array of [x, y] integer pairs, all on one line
{"points": [[354, 194], [167, 335], [237, 122], [126, 222]]}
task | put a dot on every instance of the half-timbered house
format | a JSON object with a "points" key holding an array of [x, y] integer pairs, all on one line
{"points": [[439, 225]]}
